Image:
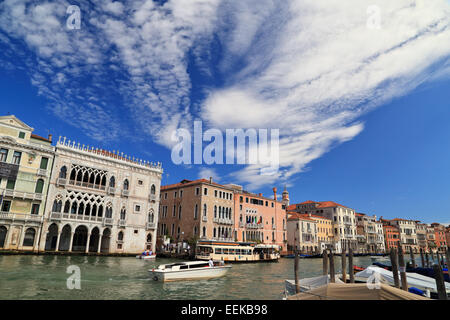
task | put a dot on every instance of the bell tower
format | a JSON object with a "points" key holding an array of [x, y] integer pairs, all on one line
{"points": [[285, 197]]}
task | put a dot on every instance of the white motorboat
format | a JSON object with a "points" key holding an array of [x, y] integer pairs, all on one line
{"points": [[153, 256], [380, 259], [192, 270]]}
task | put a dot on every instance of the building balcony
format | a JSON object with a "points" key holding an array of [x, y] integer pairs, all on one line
{"points": [[88, 185], [348, 223], [122, 223], [125, 193], [274, 227], [61, 182], [108, 222], [111, 190], [204, 218], [241, 224], [58, 216], [42, 172], [152, 197], [151, 226], [22, 217], [254, 226], [23, 195]]}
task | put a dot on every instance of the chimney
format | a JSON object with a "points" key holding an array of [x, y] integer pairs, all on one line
{"points": [[260, 194], [50, 137], [274, 194], [210, 179]]}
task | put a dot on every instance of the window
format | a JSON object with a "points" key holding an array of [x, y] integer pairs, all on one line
{"points": [[112, 182], [10, 184], [44, 163], [215, 191], [39, 186], [136, 231], [123, 214], [6, 205], [196, 212], [3, 154], [153, 189], [120, 236], [16, 157], [205, 191], [140, 182], [175, 194], [35, 208], [63, 172], [179, 212], [197, 191], [137, 208], [126, 184], [205, 210], [21, 135], [165, 195], [181, 193], [174, 211]]}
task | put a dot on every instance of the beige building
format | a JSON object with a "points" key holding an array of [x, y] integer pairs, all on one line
{"points": [[100, 202], [302, 234], [421, 229], [408, 234], [26, 160], [373, 234]]}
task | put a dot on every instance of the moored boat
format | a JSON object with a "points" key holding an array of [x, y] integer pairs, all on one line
{"points": [[191, 270], [153, 256]]}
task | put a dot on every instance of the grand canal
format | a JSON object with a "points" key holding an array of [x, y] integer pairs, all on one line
{"points": [[45, 277]]}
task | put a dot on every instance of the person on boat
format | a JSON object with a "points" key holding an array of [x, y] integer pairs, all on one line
{"points": [[150, 253], [211, 263]]}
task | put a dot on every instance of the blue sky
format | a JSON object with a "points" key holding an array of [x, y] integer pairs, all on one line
{"points": [[362, 109]]}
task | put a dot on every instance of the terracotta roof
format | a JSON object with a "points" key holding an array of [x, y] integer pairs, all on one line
{"points": [[291, 207], [35, 136], [328, 204], [186, 182], [309, 201], [296, 216]]}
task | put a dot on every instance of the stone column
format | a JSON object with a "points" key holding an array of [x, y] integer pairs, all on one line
{"points": [[22, 236], [99, 245], [72, 234], [8, 237], [88, 242], [57, 240]]}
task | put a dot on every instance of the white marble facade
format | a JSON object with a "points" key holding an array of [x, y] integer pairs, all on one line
{"points": [[100, 202]]}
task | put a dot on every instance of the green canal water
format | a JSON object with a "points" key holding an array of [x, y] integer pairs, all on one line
{"points": [[45, 277]]}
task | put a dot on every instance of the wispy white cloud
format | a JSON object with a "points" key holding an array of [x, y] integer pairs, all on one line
{"points": [[207, 172], [310, 68]]}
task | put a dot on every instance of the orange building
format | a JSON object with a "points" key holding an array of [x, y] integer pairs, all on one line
{"points": [[439, 237], [391, 237]]}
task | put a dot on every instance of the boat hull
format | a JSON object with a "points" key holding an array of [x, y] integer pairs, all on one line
{"points": [[187, 275], [146, 257]]}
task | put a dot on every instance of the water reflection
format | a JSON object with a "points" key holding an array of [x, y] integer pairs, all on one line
{"points": [[44, 277]]}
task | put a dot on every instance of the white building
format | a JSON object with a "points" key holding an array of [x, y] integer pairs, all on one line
{"points": [[100, 202]]}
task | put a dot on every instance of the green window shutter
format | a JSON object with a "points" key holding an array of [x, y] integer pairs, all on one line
{"points": [[21, 135], [11, 184], [44, 163], [39, 186]]}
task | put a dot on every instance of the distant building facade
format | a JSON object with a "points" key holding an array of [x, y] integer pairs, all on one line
{"points": [[408, 234], [439, 237], [421, 229], [302, 234], [26, 160]]}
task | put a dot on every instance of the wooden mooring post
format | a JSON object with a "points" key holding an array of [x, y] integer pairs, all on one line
{"points": [[402, 268], [350, 265], [325, 262], [296, 266], [344, 265], [447, 258], [427, 259], [422, 259], [413, 259], [440, 284], [394, 264], [332, 272]]}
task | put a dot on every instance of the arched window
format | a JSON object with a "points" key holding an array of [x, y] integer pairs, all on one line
{"points": [[81, 208], [100, 211], [123, 214], [28, 240], [63, 172], [74, 208], [126, 184], [39, 186], [112, 182], [153, 189], [104, 181], [214, 232], [215, 211], [204, 210], [151, 216], [204, 231], [120, 236], [67, 207], [220, 212], [196, 211], [149, 238], [73, 174], [108, 212]]}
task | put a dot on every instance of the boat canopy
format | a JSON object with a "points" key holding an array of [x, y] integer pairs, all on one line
{"points": [[413, 279]]}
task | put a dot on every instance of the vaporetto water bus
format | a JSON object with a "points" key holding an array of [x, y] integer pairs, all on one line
{"points": [[236, 251]]}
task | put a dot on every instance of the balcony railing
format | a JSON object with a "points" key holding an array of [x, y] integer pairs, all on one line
{"points": [[122, 223], [151, 225], [152, 197], [125, 193], [58, 216], [22, 195], [4, 215], [61, 182], [274, 227], [241, 224], [42, 172], [204, 218], [108, 222], [87, 185], [254, 226], [111, 190]]}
